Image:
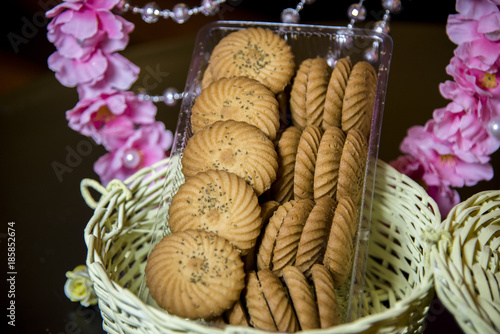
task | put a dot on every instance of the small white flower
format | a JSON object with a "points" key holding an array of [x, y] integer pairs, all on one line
{"points": [[79, 286]]}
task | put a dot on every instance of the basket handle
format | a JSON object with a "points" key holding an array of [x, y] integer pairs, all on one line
{"points": [[88, 184]]}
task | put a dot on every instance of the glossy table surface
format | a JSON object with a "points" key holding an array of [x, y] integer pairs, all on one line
{"points": [[50, 214]]}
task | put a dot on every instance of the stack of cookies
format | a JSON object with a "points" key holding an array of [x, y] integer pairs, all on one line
{"points": [[264, 227]]}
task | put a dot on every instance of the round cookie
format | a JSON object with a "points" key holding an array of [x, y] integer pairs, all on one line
{"points": [[236, 147], [282, 188], [256, 53], [352, 166], [302, 298], [314, 237], [240, 99], [326, 299], [359, 98], [259, 315], [195, 274], [326, 171], [221, 202], [305, 163], [332, 115], [278, 301], [307, 97]]}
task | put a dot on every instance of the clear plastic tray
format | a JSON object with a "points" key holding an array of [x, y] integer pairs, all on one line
{"points": [[307, 41]]}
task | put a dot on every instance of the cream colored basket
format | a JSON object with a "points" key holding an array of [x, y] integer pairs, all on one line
{"points": [[398, 291], [466, 263]]}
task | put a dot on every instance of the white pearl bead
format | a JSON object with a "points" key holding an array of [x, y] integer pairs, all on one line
{"points": [[331, 59], [290, 15], [494, 127], [209, 8], [151, 12], [394, 6], [356, 12], [122, 7], [132, 158], [344, 40], [180, 13], [381, 27], [170, 96], [371, 55]]}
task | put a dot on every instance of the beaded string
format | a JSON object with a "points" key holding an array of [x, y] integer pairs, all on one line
{"points": [[292, 15], [357, 13], [180, 13]]}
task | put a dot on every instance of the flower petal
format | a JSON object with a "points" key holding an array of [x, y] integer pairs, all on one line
{"points": [[83, 24]]}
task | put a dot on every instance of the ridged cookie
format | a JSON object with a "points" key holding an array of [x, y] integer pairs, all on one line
{"points": [[307, 153], [240, 99], [307, 97], [270, 233], [207, 78], [326, 171], [340, 247], [235, 147], [237, 315], [314, 237], [259, 315], [195, 274], [221, 202], [324, 288], [359, 98], [352, 166], [302, 297], [332, 115], [267, 211], [287, 239], [282, 188], [278, 301], [255, 53], [347, 211]]}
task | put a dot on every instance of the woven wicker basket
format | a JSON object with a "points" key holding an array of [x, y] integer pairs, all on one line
{"points": [[466, 263], [398, 290]]}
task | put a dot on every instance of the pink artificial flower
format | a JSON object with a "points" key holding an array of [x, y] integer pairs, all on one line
{"points": [[476, 32], [110, 118], [78, 28], [98, 72], [472, 80], [442, 164], [148, 145], [476, 9], [445, 197], [465, 131], [120, 74], [462, 96]]}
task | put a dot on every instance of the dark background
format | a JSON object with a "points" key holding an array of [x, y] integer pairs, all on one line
{"points": [[49, 212]]}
